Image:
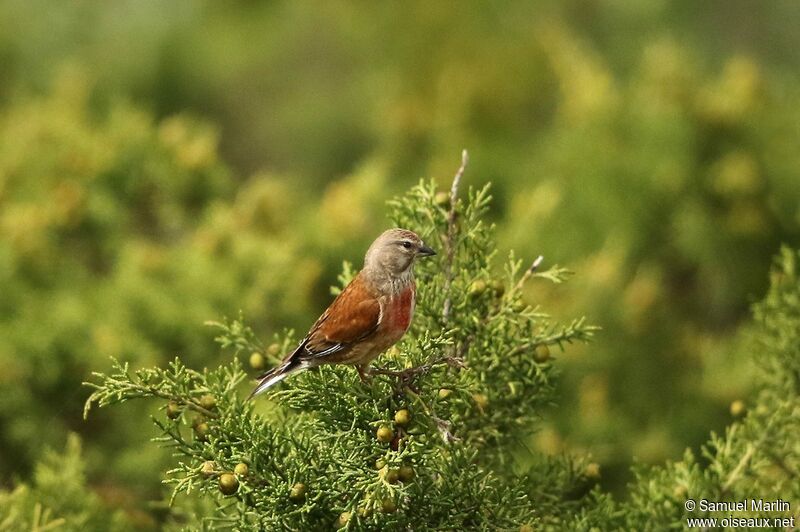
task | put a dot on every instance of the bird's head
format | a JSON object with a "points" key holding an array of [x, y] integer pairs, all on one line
{"points": [[393, 252]]}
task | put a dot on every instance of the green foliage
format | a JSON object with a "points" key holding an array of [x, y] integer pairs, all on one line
{"points": [[84, 225], [758, 456], [466, 374], [332, 451], [119, 236], [667, 190], [58, 498], [649, 145]]}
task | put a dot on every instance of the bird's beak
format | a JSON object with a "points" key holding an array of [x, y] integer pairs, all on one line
{"points": [[425, 251]]}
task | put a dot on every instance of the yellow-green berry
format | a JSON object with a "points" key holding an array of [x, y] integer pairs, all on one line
{"points": [[228, 483], [208, 401], [201, 431], [342, 520], [274, 350], [498, 287], [388, 506], [173, 410], [738, 408], [406, 473], [402, 417], [444, 393], [384, 434], [592, 471], [207, 468], [542, 353], [298, 492], [241, 469], [477, 288], [442, 199], [481, 400], [257, 361], [391, 476]]}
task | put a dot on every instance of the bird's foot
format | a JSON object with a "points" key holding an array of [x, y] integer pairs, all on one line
{"points": [[364, 373]]}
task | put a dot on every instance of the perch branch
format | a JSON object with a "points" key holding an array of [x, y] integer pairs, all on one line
{"points": [[449, 239]]}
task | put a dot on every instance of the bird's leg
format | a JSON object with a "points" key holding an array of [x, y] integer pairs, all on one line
{"points": [[363, 373]]}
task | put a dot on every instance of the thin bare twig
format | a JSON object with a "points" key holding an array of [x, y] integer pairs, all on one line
{"points": [[449, 239], [530, 271], [442, 425]]}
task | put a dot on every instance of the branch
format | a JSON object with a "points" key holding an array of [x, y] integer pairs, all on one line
{"points": [[734, 475], [747, 456], [124, 386], [577, 331], [449, 239], [406, 375], [442, 425], [530, 271]]}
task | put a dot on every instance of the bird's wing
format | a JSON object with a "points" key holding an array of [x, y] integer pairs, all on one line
{"points": [[353, 315]]}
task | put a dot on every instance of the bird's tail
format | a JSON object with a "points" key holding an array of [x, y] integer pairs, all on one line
{"points": [[274, 376]]}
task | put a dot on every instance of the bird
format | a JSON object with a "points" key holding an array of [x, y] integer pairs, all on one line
{"points": [[369, 316]]}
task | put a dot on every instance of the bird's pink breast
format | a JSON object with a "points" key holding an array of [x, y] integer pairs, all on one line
{"points": [[401, 310]]}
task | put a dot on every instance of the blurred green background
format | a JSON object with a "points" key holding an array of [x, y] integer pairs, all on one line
{"points": [[165, 163]]}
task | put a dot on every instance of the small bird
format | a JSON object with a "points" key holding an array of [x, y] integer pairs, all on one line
{"points": [[369, 316]]}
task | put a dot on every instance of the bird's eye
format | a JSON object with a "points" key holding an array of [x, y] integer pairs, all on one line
{"points": [[406, 244]]}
